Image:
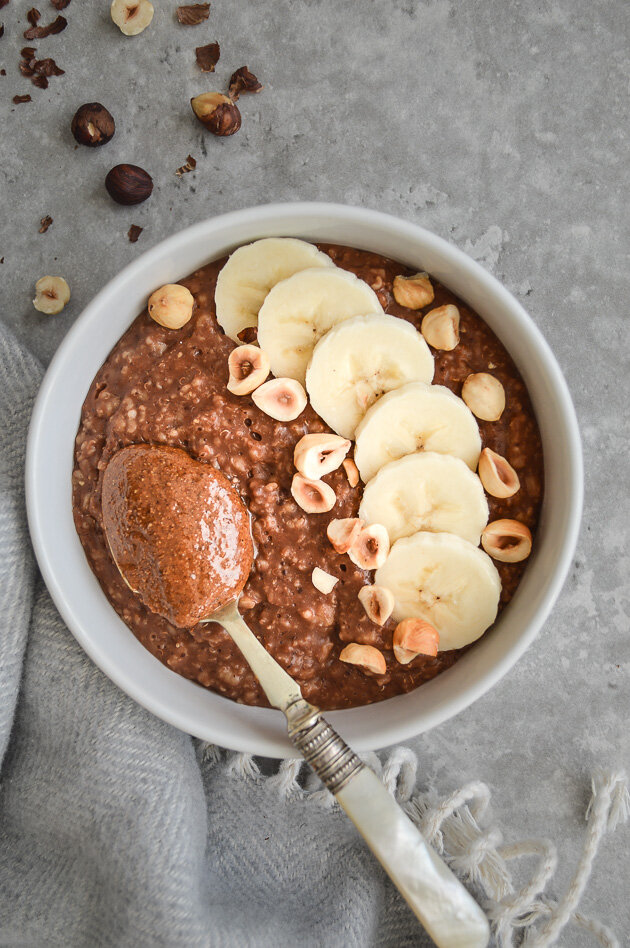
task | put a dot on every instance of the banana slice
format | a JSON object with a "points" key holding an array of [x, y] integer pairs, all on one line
{"points": [[426, 491], [251, 272], [416, 417], [358, 361], [444, 580], [298, 311]]}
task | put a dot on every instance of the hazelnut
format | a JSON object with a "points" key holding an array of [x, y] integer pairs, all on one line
{"points": [[365, 657], [93, 125], [312, 496], [484, 395], [440, 327], [249, 367], [282, 399], [508, 541], [323, 581], [378, 603], [131, 16], [318, 454], [370, 548], [352, 472], [413, 637], [51, 295], [342, 533], [497, 475], [414, 292], [129, 184], [171, 306], [217, 112]]}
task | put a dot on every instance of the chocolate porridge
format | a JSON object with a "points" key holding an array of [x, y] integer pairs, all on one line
{"points": [[162, 386]]}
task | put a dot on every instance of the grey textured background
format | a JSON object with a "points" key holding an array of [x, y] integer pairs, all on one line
{"points": [[502, 127]]}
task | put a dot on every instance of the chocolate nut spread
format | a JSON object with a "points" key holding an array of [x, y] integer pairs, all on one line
{"points": [[177, 530], [169, 387]]}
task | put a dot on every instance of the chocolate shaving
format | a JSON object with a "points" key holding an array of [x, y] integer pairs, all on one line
{"points": [[45, 223], [133, 233], [193, 14], [40, 32], [243, 81], [208, 56], [18, 99], [190, 165], [60, 4]]}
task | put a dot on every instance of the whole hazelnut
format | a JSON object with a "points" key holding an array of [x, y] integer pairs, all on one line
{"points": [[93, 125], [129, 184], [217, 112], [171, 305]]}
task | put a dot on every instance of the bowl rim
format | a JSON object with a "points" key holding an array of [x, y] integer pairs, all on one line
{"points": [[350, 215]]}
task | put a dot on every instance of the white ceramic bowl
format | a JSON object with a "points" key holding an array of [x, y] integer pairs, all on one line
{"points": [[78, 595]]}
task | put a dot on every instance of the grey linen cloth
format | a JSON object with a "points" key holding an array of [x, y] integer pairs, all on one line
{"points": [[117, 829]]}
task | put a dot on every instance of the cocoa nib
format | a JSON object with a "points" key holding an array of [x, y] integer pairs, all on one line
{"points": [[190, 165], [45, 223], [243, 81], [133, 233], [40, 32], [193, 13], [60, 4], [18, 99], [208, 56]]}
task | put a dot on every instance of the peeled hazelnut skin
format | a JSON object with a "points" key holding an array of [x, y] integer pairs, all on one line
{"points": [[171, 306], [414, 292], [413, 637], [378, 603], [370, 548], [497, 474], [217, 113], [352, 472], [484, 395], [342, 533], [248, 367], [282, 399], [131, 16], [93, 125], [507, 541], [440, 327], [318, 454], [312, 496], [51, 295], [365, 657], [129, 184]]}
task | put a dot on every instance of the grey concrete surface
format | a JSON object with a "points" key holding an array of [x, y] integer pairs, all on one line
{"points": [[501, 126]]}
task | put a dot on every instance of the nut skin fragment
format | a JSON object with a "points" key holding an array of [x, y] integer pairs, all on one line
{"points": [[508, 541], [414, 292], [171, 306], [193, 14], [282, 399], [217, 113], [342, 533], [370, 548], [128, 184], [248, 367], [352, 472], [484, 395], [93, 125], [51, 295], [365, 657], [322, 581], [413, 637], [242, 81], [131, 16], [440, 327], [312, 496], [497, 475], [318, 454], [208, 56], [378, 603]]}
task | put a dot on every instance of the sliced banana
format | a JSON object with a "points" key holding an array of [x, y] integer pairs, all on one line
{"points": [[426, 491], [358, 361], [416, 417], [444, 580], [298, 311], [250, 273]]}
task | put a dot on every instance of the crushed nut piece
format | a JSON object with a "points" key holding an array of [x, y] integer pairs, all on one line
{"points": [[192, 14], [243, 81], [208, 56], [45, 224], [352, 472], [323, 581], [133, 233]]}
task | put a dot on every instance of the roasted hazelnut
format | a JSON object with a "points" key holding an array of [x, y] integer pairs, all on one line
{"points": [[248, 367], [171, 305], [131, 16], [318, 454], [217, 112], [342, 533], [322, 581], [51, 295], [129, 184], [508, 541], [312, 496], [93, 125], [365, 657], [440, 327], [485, 396], [414, 292], [413, 637], [378, 603], [282, 399], [370, 547]]}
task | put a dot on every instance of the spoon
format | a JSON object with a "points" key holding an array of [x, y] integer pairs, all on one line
{"points": [[147, 491]]}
